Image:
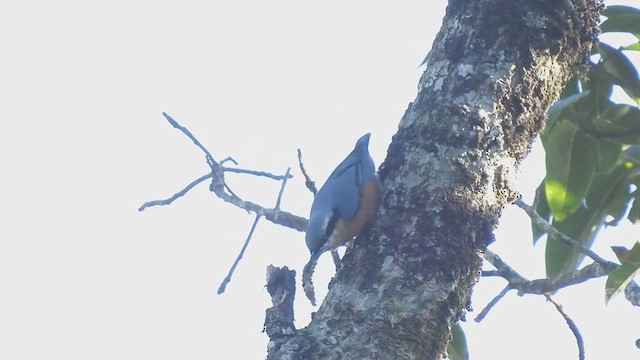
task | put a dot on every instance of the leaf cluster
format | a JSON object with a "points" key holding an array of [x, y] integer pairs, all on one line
{"points": [[592, 146]]}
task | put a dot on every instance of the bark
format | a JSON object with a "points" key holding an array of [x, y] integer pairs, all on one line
{"points": [[495, 68]]}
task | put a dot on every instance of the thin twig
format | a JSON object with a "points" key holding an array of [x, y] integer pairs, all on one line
{"points": [[276, 216], [229, 158], [492, 303], [572, 326], [505, 270], [222, 190], [256, 173], [542, 286], [226, 186], [176, 195], [253, 228], [307, 180], [188, 133], [554, 233], [286, 177], [227, 279], [490, 273]]}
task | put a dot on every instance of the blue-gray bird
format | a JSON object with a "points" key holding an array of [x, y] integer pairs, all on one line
{"points": [[347, 201]]}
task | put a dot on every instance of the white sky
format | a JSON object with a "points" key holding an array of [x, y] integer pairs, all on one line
{"points": [[83, 275]]}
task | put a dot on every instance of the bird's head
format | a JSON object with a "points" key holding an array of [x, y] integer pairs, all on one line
{"points": [[317, 231]]}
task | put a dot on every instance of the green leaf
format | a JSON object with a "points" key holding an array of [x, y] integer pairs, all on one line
{"points": [[608, 153], [621, 68], [632, 154], [555, 111], [600, 86], [615, 10], [571, 159], [628, 22], [619, 122], [634, 212], [584, 224], [617, 206], [457, 348], [581, 226], [634, 47], [542, 208], [620, 278], [616, 63], [573, 86]]}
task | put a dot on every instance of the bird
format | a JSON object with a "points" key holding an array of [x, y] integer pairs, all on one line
{"points": [[345, 204]]}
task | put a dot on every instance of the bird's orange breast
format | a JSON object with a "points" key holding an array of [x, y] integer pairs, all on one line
{"points": [[367, 209]]}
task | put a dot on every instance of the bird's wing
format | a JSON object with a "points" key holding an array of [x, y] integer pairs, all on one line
{"points": [[346, 191]]}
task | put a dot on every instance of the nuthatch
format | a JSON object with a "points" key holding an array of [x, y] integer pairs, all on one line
{"points": [[347, 201]]}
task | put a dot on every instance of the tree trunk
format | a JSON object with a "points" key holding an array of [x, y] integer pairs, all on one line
{"points": [[495, 68]]}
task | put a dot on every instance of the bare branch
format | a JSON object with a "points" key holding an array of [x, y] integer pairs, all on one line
{"points": [[503, 269], [554, 233], [600, 268], [235, 263], [524, 286], [276, 216], [256, 173], [226, 186], [176, 195], [307, 180], [489, 273], [284, 183], [572, 326], [229, 158], [253, 228], [492, 303], [188, 133], [543, 286], [222, 190]]}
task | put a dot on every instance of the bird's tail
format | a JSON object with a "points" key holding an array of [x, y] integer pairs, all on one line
{"points": [[307, 279]]}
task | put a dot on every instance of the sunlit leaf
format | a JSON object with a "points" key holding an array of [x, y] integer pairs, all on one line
{"points": [[619, 278], [584, 224], [571, 159], [634, 47]]}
